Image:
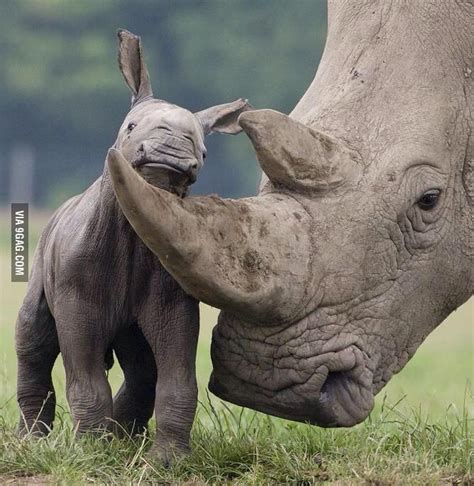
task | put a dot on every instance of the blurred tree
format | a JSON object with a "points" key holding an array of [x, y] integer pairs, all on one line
{"points": [[63, 94]]}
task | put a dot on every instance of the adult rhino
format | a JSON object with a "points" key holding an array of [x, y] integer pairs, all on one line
{"points": [[358, 244]]}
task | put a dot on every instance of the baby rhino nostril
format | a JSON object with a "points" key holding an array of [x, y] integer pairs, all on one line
{"points": [[194, 165], [141, 148]]}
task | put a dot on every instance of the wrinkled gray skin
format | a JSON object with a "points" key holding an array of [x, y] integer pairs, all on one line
{"points": [[95, 286], [360, 241]]}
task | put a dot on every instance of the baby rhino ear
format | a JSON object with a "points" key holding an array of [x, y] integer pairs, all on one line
{"points": [[132, 65], [223, 118]]}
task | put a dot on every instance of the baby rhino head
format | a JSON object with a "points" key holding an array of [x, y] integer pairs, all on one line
{"points": [[162, 141]]}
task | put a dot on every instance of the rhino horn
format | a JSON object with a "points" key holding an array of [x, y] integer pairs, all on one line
{"points": [[247, 255], [295, 156]]}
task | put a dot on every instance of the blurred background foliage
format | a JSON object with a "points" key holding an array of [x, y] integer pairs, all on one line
{"points": [[62, 98]]}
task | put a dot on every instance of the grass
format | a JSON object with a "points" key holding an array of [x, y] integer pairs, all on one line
{"points": [[420, 431], [250, 448]]}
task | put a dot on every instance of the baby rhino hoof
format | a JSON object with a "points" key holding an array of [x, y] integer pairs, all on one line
{"points": [[167, 455], [36, 430]]}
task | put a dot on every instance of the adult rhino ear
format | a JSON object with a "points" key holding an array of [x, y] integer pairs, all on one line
{"points": [[223, 118], [133, 67]]}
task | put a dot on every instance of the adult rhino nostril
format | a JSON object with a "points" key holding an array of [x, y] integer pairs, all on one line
{"points": [[141, 148], [332, 379], [194, 165]]}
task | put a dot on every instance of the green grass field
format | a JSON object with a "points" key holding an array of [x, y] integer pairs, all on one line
{"points": [[419, 433]]}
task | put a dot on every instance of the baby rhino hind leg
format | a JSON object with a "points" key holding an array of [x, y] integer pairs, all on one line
{"points": [[134, 402], [37, 349]]}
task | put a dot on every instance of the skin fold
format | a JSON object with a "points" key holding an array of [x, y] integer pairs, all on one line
{"points": [[96, 288], [359, 242]]}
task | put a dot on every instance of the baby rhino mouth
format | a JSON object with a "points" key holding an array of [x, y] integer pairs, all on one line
{"points": [[330, 388], [150, 166], [165, 174], [165, 167], [153, 160]]}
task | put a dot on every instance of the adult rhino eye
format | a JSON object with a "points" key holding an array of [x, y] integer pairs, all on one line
{"points": [[429, 199], [131, 126]]}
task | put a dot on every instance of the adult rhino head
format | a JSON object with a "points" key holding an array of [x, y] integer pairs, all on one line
{"points": [[359, 243]]}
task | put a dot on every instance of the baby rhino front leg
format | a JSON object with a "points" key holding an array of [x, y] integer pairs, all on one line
{"points": [[172, 332]]}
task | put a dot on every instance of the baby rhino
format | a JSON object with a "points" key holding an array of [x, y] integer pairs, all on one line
{"points": [[95, 286]]}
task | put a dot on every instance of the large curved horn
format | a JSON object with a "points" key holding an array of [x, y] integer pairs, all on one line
{"points": [[295, 156], [250, 255]]}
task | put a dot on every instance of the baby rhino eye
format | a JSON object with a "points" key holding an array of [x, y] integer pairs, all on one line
{"points": [[131, 126], [429, 199]]}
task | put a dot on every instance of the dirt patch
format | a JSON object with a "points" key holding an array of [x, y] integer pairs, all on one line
{"points": [[26, 480]]}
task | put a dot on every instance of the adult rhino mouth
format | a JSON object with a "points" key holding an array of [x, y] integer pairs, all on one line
{"points": [[329, 388]]}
